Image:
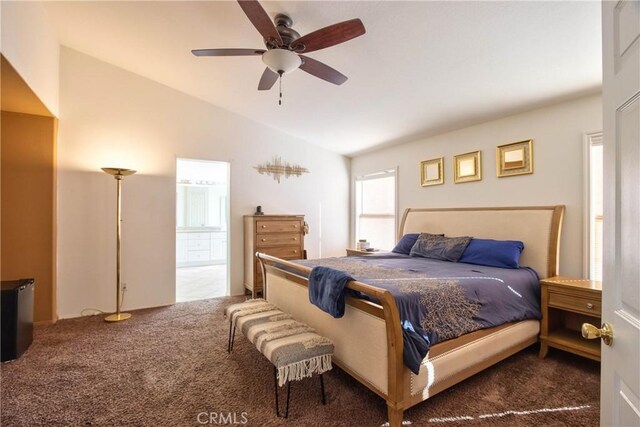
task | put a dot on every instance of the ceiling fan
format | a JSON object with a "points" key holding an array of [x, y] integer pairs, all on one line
{"points": [[285, 47]]}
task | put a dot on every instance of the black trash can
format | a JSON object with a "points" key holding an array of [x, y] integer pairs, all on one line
{"points": [[17, 317]]}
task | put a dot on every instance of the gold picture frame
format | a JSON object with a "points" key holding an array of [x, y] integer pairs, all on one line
{"points": [[432, 172], [467, 167], [515, 158]]}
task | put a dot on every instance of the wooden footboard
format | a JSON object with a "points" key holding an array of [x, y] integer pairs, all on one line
{"points": [[364, 321]]}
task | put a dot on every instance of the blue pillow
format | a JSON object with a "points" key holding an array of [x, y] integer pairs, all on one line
{"points": [[406, 243], [439, 247], [493, 253]]}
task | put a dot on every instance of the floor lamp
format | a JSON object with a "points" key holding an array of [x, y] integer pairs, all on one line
{"points": [[119, 175]]}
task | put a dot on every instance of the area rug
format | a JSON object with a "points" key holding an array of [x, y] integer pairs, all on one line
{"points": [[169, 367]]}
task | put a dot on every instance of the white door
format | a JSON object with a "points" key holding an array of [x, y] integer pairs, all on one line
{"points": [[620, 387]]}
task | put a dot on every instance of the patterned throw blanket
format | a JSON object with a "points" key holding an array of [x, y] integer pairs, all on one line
{"points": [[440, 300]]}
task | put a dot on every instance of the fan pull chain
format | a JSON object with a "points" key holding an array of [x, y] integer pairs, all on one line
{"points": [[280, 99]]}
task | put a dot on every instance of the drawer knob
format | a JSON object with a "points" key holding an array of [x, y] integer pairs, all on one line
{"points": [[295, 252], [295, 225], [264, 226], [294, 238], [589, 305], [264, 240]]}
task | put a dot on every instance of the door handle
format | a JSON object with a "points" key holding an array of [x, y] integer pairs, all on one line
{"points": [[591, 332]]}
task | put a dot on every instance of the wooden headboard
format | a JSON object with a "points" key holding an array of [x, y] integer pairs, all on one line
{"points": [[538, 227]]}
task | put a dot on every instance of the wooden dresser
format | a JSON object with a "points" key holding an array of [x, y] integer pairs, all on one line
{"points": [[278, 235]]}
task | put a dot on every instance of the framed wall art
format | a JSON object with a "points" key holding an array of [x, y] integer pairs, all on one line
{"points": [[432, 172], [467, 167], [515, 158]]}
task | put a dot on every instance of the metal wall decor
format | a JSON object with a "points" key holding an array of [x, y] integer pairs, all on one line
{"points": [[277, 169]]}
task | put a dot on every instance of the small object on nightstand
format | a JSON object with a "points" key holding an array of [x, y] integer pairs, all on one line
{"points": [[259, 211], [566, 304], [362, 245]]}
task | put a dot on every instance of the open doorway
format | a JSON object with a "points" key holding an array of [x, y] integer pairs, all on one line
{"points": [[202, 227]]}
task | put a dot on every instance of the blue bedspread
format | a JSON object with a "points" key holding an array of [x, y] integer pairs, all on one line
{"points": [[438, 300]]}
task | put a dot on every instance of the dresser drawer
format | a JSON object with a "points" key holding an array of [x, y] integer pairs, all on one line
{"points": [[574, 303], [198, 256], [284, 252], [195, 245], [199, 236], [283, 226], [278, 239]]}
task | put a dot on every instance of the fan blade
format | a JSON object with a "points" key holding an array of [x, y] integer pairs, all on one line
{"points": [[227, 52], [260, 20], [322, 71], [329, 36], [267, 80]]}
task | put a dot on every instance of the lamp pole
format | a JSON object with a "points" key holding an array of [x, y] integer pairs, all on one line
{"points": [[118, 174]]}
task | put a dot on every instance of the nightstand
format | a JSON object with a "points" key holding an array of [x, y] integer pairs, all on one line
{"points": [[566, 304], [358, 252]]}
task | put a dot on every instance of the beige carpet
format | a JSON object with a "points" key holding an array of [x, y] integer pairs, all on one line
{"points": [[168, 366]]}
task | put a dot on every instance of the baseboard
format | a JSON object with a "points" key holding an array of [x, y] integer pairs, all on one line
{"points": [[46, 322]]}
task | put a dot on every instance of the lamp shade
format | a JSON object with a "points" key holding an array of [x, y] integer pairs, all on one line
{"points": [[281, 60], [119, 171]]}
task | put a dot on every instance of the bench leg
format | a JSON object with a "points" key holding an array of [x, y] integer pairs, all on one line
{"points": [[324, 400], [286, 413], [232, 336], [275, 382], [277, 400]]}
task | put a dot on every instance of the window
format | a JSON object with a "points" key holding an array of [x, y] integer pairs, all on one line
{"points": [[594, 205], [375, 210]]}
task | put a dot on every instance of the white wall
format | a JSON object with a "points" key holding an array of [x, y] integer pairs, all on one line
{"points": [[557, 132], [111, 117], [29, 43]]}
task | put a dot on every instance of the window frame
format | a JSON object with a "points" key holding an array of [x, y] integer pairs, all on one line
{"points": [[380, 173], [590, 139]]}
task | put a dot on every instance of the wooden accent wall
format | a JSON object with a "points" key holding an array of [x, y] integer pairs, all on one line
{"points": [[28, 206]]}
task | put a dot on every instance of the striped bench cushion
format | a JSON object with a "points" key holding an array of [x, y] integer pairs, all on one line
{"points": [[291, 346], [252, 306]]}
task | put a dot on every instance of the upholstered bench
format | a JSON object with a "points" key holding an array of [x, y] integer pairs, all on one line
{"points": [[295, 349]]}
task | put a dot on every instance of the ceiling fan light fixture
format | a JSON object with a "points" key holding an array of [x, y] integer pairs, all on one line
{"points": [[281, 60]]}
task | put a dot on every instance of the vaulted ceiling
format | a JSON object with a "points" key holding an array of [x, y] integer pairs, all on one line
{"points": [[422, 67]]}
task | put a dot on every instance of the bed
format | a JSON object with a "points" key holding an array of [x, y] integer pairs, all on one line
{"points": [[369, 338]]}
